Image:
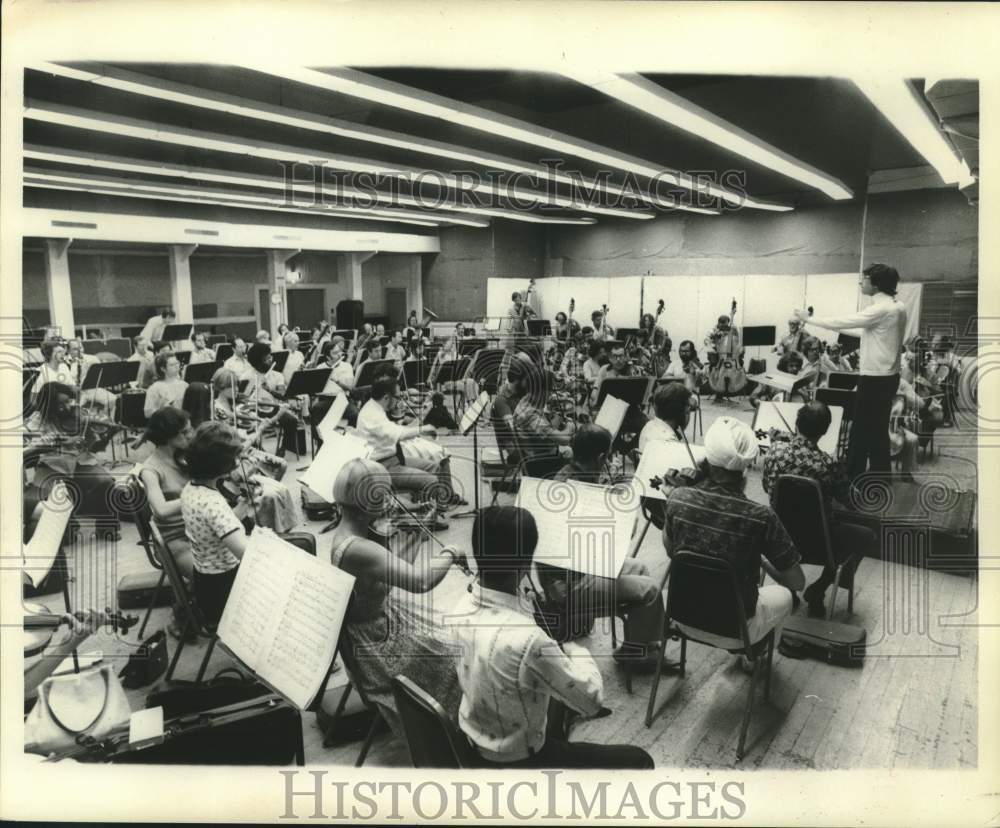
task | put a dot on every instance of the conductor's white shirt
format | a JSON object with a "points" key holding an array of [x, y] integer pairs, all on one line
{"points": [[881, 326]]}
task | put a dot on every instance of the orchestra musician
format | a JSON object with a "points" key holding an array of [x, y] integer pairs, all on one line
{"points": [[792, 341], [296, 359], [200, 352], [690, 368], [143, 354], [156, 324], [168, 389], [238, 362], [834, 361], [565, 329], [672, 404], [723, 342], [618, 366], [510, 669], [389, 634], [54, 369], [602, 330]]}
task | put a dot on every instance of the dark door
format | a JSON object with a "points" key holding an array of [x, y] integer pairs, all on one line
{"points": [[265, 309], [306, 307], [395, 306]]}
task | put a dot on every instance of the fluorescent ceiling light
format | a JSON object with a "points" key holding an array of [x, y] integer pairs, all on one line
{"points": [[652, 99], [380, 91], [904, 108], [152, 87], [51, 182], [145, 130], [132, 165]]}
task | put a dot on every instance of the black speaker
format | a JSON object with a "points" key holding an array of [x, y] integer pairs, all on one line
{"points": [[350, 313]]}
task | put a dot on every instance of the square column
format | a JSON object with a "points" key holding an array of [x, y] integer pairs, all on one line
{"points": [[180, 281], [57, 284]]}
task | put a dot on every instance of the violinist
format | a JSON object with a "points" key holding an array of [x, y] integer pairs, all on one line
{"points": [[296, 359], [565, 328], [238, 363], [672, 404], [834, 361], [689, 367], [200, 352], [389, 634], [66, 438], [651, 335], [812, 367], [724, 344], [266, 386], [341, 381], [547, 445]]}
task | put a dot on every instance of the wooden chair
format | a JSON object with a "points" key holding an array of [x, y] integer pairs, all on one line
{"points": [[432, 738], [692, 578], [798, 501]]}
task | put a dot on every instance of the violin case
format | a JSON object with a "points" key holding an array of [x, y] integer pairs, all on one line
{"points": [[136, 591], [829, 641]]}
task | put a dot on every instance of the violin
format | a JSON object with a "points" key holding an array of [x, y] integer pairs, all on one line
{"points": [[727, 375], [40, 625]]}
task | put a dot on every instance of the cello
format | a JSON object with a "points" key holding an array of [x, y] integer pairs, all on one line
{"points": [[727, 375]]}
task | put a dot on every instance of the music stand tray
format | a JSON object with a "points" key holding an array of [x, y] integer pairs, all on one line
{"points": [[368, 370], [309, 382], [110, 375], [415, 373], [280, 359], [755, 336], [177, 332], [452, 371], [627, 333], [633, 390], [201, 371], [223, 351]]}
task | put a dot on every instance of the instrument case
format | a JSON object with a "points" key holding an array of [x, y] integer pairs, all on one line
{"points": [[829, 641]]}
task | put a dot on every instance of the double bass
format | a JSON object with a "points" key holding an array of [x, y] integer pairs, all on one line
{"points": [[727, 375]]}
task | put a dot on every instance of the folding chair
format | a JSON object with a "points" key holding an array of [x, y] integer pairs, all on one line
{"points": [[798, 502], [705, 605], [432, 738], [193, 618]]}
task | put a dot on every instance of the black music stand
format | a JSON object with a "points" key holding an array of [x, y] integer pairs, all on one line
{"points": [[415, 373], [223, 351], [280, 359], [757, 336], [110, 375], [842, 380], [539, 327], [177, 332], [308, 382], [467, 347], [848, 344], [633, 390], [346, 333], [183, 357], [201, 371], [214, 340], [453, 371], [628, 333]]}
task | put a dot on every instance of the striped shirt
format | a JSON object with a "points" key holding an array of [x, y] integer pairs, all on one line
{"points": [[711, 519], [509, 669]]}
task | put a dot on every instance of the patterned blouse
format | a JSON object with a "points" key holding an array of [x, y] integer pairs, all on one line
{"points": [[207, 521]]}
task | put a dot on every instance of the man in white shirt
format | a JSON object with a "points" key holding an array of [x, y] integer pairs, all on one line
{"points": [[431, 479], [295, 357], [510, 669], [881, 327], [341, 381], [672, 404], [238, 363], [200, 351], [155, 325]]}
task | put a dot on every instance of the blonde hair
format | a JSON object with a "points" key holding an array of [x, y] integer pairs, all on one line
{"points": [[363, 485]]}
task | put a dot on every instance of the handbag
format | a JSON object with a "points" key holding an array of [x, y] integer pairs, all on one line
{"points": [[90, 703], [147, 663]]}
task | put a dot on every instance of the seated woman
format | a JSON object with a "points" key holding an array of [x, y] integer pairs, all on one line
{"points": [[65, 439], [386, 634], [263, 393], [54, 368], [168, 389], [214, 531]]}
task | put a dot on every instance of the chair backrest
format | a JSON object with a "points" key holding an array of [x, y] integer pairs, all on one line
{"points": [[704, 592], [306, 541], [433, 740], [181, 592], [798, 502], [142, 514], [503, 431]]}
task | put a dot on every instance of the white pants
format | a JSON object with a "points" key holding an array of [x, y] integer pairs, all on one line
{"points": [[774, 605]]}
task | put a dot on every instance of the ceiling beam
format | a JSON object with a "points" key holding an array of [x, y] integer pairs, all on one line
{"points": [[652, 99], [139, 166], [387, 93], [121, 125], [119, 227], [148, 86]]}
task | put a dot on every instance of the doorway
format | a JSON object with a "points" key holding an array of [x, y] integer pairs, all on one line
{"points": [[395, 306]]}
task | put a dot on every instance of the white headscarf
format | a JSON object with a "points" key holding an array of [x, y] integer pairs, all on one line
{"points": [[730, 444]]}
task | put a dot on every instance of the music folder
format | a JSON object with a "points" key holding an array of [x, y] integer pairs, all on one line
{"points": [[283, 618]]}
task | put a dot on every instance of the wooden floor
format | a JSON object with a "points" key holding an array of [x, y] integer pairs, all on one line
{"points": [[912, 704]]}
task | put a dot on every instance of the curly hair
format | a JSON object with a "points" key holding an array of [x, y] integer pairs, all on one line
{"points": [[212, 451]]}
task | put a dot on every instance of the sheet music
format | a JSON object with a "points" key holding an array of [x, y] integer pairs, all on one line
{"points": [[284, 615], [781, 380], [41, 550], [328, 425], [337, 451], [581, 526], [612, 415], [474, 412], [657, 459], [769, 415]]}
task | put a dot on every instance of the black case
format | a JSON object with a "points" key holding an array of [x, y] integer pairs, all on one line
{"points": [[261, 731], [830, 641], [136, 591]]}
